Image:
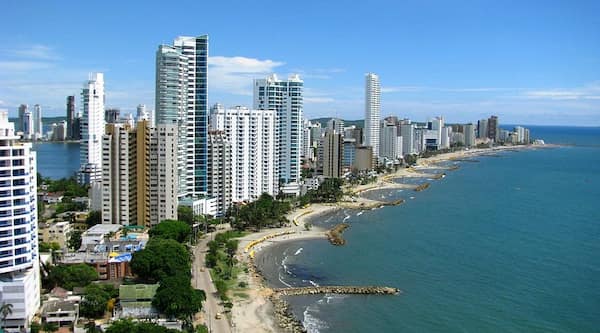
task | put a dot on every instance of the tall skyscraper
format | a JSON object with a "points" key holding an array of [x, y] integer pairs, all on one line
{"points": [[407, 132], [388, 140], [92, 128], [38, 128], [333, 153], [112, 115], [70, 117], [285, 97], [181, 97], [19, 261], [219, 170], [372, 112], [469, 135], [493, 128], [254, 155], [482, 128], [22, 110], [28, 131], [163, 173]]}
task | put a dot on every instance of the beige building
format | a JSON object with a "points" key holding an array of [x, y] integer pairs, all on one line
{"points": [[364, 158], [332, 154], [55, 232]]}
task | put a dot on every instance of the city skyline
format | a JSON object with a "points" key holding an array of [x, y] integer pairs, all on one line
{"points": [[536, 63]]}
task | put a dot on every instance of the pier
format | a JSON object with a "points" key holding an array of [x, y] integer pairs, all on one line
{"points": [[357, 290]]}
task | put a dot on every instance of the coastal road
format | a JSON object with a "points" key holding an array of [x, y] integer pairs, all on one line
{"points": [[201, 280]]}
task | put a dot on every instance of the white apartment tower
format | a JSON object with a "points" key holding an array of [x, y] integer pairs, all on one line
{"points": [[19, 261], [285, 97], [372, 112], [251, 134], [37, 122], [163, 173], [92, 128]]}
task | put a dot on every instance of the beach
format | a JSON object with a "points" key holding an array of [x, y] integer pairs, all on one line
{"points": [[256, 313]]}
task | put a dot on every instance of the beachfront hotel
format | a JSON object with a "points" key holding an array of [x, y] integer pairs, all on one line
{"points": [[19, 260], [372, 112]]}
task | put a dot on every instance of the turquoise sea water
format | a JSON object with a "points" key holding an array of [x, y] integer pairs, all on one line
{"points": [[509, 244]]}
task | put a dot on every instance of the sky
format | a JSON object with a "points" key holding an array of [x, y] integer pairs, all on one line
{"points": [[529, 62]]}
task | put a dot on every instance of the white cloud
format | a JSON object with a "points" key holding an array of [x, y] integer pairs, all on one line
{"points": [[234, 75], [36, 51], [589, 92], [16, 66], [402, 89]]}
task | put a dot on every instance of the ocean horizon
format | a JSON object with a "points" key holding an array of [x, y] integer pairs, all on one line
{"points": [[507, 244]]}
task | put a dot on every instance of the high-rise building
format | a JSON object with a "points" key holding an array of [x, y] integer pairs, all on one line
{"points": [[363, 159], [76, 134], [493, 128], [28, 131], [163, 173], [112, 115], [181, 98], [407, 132], [388, 141], [22, 110], [254, 154], [336, 124], [219, 170], [285, 97], [59, 131], [482, 128], [333, 153], [19, 261], [38, 129], [372, 112], [469, 135], [142, 114], [92, 129], [349, 152], [70, 117]]}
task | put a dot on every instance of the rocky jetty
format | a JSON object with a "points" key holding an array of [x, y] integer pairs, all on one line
{"points": [[364, 290], [422, 187], [335, 234], [284, 316]]}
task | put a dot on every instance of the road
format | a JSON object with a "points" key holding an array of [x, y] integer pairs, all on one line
{"points": [[201, 280]]}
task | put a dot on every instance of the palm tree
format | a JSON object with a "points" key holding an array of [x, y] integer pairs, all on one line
{"points": [[5, 310]]}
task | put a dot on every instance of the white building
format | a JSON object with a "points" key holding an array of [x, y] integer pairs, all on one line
{"points": [[445, 134], [163, 173], [38, 132], [254, 155], [372, 112], [28, 130], [285, 98], [482, 129], [19, 259], [388, 141], [336, 124], [92, 129], [407, 132]]}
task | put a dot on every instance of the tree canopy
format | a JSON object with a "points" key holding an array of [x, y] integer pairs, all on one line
{"points": [[176, 298], [161, 258], [70, 276], [128, 326], [74, 241], [95, 300], [172, 229], [186, 214], [264, 212]]}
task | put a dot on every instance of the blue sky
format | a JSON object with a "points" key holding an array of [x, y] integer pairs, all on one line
{"points": [[530, 62]]}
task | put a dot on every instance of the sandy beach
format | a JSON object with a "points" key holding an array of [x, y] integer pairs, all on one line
{"points": [[255, 312]]}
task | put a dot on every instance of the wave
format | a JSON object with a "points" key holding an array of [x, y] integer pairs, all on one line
{"points": [[312, 323], [359, 213], [298, 252]]}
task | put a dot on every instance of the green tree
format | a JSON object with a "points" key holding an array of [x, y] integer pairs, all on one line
{"points": [[49, 247], [161, 258], [90, 327], [93, 304], [128, 326], [74, 241], [186, 214], [68, 277], [93, 218], [34, 327], [49, 327], [176, 298], [5, 310], [172, 229]]}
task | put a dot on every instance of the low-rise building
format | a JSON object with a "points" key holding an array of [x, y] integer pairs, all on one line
{"points": [[136, 301], [57, 232], [63, 313]]}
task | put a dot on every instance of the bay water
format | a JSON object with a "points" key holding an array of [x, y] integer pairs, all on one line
{"points": [[57, 159], [510, 243]]}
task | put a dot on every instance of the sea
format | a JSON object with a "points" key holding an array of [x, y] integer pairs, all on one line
{"points": [[57, 160], [505, 243]]}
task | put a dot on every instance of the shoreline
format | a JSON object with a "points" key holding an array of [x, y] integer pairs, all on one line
{"points": [[258, 313]]}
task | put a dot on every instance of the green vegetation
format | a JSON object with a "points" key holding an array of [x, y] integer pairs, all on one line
{"points": [[49, 247], [172, 229], [220, 259], [176, 298], [329, 191], [161, 258], [5, 310], [74, 241], [70, 276], [129, 326], [410, 159], [68, 206], [96, 299], [49, 327], [94, 217], [185, 214], [69, 186], [264, 212], [166, 260]]}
